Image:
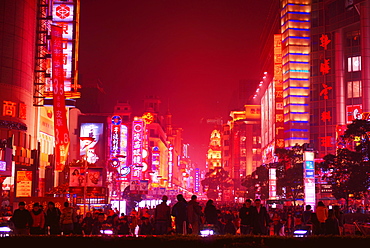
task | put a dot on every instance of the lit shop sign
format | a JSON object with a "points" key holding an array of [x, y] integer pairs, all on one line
{"points": [[197, 180], [354, 112], [92, 145], [118, 150], [155, 158], [170, 165], [272, 183], [137, 148], [63, 16], [309, 178]]}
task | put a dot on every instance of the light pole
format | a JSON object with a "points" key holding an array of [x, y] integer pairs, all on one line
{"points": [[87, 141]]}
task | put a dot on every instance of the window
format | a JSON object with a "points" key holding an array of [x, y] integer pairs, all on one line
{"points": [[354, 63], [354, 89]]}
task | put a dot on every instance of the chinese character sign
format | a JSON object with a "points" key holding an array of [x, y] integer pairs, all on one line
{"points": [[137, 148], [61, 133]]}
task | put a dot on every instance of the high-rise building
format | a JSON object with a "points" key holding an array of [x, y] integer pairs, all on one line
{"points": [[340, 69], [295, 30]]}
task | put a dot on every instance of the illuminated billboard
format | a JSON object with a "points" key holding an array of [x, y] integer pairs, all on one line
{"points": [[94, 144], [137, 148], [65, 15], [309, 178]]}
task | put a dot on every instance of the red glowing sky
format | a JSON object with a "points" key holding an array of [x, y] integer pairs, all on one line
{"points": [[191, 53]]}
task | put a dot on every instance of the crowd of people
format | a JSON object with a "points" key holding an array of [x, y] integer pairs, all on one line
{"points": [[182, 217]]}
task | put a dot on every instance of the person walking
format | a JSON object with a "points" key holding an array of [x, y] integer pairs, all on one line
{"points": [[162, 217], [261, 218], [38, 220], [67, 218], [180, 214], [52, 219], [245, 215], [87, 224], [331, 224], [322, 215], [194, 212], [22, 220], [210, 213]]}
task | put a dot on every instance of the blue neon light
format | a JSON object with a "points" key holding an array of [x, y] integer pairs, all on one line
{"points": [[296, 113], [295, 138], [305, 71], [299, 88], [297, 130], [303, 54], [298, 20], [297, 104], [299, 29], [298, 121], [296, 96], [297, 37]]}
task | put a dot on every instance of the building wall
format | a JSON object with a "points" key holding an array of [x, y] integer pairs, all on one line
{"points": [[295, 29]]}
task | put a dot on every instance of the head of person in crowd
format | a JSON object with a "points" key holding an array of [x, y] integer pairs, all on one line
{"points": [[248, 203], [22, 205], [164, 198], [257, 203]]}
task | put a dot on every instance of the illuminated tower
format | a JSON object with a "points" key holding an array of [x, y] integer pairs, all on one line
{"points": [[295, 29], [214, 151]]}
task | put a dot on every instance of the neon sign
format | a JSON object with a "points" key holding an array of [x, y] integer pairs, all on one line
{"points": [[309, 178], [170, 165], [137, 148]]}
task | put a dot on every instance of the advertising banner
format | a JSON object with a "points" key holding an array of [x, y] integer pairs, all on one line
{"points": [[24, 184], [94, 147], [61, 133]]}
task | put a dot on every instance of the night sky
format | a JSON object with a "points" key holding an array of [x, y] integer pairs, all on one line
{"points": [[190, 53]]}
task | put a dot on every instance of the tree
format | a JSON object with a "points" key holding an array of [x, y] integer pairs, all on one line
{"points": [[348, 171], [257, 182], [215, 181], [289, 172]]}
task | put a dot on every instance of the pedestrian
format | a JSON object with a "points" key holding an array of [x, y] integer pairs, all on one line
{"points": [[306, 216], [322, 215], [52, 219], [194, 212], [162, 217], [67, 218], [99, 224], [331, 224], [22, 220], [340, 216], [180, 214], [123, 226], [261, 219], [38, 220], [210, 213], [87, 224], [145, 228], [245, 215], [133, 221]]}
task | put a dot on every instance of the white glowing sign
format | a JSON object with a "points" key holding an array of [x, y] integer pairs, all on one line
{"points": [[272, 183], [137, 148], [197, 180], [170, 165], [309, 178]]}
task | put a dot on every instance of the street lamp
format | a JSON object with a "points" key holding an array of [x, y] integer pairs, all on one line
{"points": [[86, 142]]}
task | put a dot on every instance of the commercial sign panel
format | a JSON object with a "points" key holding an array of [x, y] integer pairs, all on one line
{"points": [[61, 133], [94, 147], [24, 184], [137, 149], [309, 178]]}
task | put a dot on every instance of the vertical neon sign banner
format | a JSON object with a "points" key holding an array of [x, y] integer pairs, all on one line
{"points": [[170, 165], [309, 178], [137, 148], [197, 180], [61, 133], [272, 182]]}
